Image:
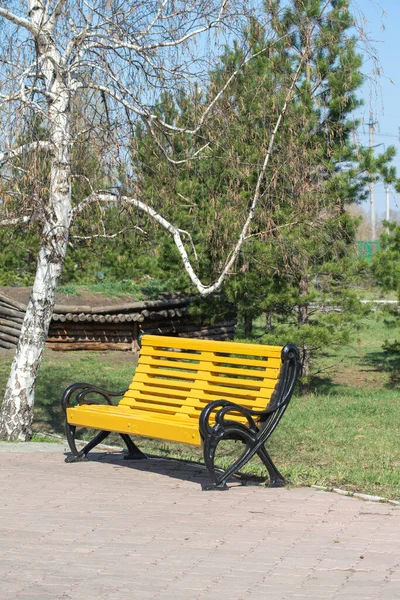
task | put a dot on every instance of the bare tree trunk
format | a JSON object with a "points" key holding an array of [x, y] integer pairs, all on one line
{"points": [[248, 325]]}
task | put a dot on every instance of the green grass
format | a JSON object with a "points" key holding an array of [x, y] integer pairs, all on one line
{"points": [[118, 289], [376, 293], [148, 289], [112, 370], [344, 434]]}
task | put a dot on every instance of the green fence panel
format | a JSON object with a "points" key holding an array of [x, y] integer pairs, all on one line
{"points": [[367, 249]]}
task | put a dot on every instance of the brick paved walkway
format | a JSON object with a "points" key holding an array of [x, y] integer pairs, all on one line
{"points": [[110, 530]]}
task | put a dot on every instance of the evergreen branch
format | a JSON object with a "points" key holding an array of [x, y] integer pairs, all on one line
{"points": [[272, 229], [329, 367]]}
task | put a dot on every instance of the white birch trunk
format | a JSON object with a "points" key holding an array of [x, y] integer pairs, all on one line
{"points": [[17, 409]]}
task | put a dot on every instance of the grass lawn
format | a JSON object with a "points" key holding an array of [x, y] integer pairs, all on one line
{"points": [[343, 434]]}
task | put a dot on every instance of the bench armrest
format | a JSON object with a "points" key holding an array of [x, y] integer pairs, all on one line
{"points": [[256, 429], [221, 408], [290, 371], [78, 392]]}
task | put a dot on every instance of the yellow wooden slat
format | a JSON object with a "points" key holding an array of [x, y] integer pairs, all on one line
{"points": [[188, 406], [141, 413], [87, 415], [173, 354], [274, 363], [178, 396], [194, 395], [194, 359], [256, 403], [155, 341], [188, 380], [164, 384], [157, 410], [135, 425], [115, 418], [153, 411], [223, 378], [150, 364], [183, 413]]}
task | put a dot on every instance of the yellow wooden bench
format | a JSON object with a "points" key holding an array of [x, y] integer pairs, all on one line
{"points": [[195, 392]]}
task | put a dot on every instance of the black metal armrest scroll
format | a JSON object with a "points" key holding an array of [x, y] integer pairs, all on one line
{"points": [[290, 371], [79, 391]]}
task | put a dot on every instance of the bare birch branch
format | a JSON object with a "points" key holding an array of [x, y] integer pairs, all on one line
{"points": [[151, 117], [271, 230], [55, 14], [111, 43], [19, 21], [14, 221], [177, 233], [32, 147], [110, 236]]}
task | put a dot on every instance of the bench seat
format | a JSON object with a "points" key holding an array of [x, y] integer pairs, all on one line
{"points": [[125, 420], [195, 392]]}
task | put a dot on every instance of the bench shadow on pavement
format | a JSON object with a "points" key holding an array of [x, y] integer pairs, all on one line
{"points": [[184, 470]]}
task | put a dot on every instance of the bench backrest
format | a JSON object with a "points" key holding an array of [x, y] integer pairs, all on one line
{"points": [[180, 376]]}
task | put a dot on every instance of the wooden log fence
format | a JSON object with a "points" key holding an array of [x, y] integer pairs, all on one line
{"points": [[11, 317], [111, 327], [89, 346]]}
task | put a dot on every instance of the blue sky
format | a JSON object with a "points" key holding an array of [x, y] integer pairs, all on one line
{"points": [[381, 21]]}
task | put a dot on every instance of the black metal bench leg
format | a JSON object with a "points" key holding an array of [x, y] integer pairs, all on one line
{"points": [[209, 448], [134, 453], [276, 479], [81, 455]]}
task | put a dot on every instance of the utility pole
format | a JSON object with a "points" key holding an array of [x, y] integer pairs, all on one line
{"points": [[371, 126]]}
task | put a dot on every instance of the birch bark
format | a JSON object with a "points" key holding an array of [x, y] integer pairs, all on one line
{"points": [[17, 408]]}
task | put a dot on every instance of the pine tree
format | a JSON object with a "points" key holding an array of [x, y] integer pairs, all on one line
{"points": [[386, 270], [298, 255]]}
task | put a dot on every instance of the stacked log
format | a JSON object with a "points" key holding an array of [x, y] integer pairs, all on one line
{"points": [[187, 328], [113, 327], [11, 316]]}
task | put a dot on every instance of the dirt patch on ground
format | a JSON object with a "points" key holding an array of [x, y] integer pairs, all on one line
{"points": [[86, 298], [362, 378]]}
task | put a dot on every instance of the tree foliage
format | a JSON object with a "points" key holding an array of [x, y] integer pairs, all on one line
{"points": [[386, 270], [298, 253]]}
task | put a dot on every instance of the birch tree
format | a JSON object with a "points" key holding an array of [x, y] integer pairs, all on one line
{"points": [[114, 60]]}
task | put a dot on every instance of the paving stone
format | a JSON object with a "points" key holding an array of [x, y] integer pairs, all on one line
{"points": [[109, 530]]}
